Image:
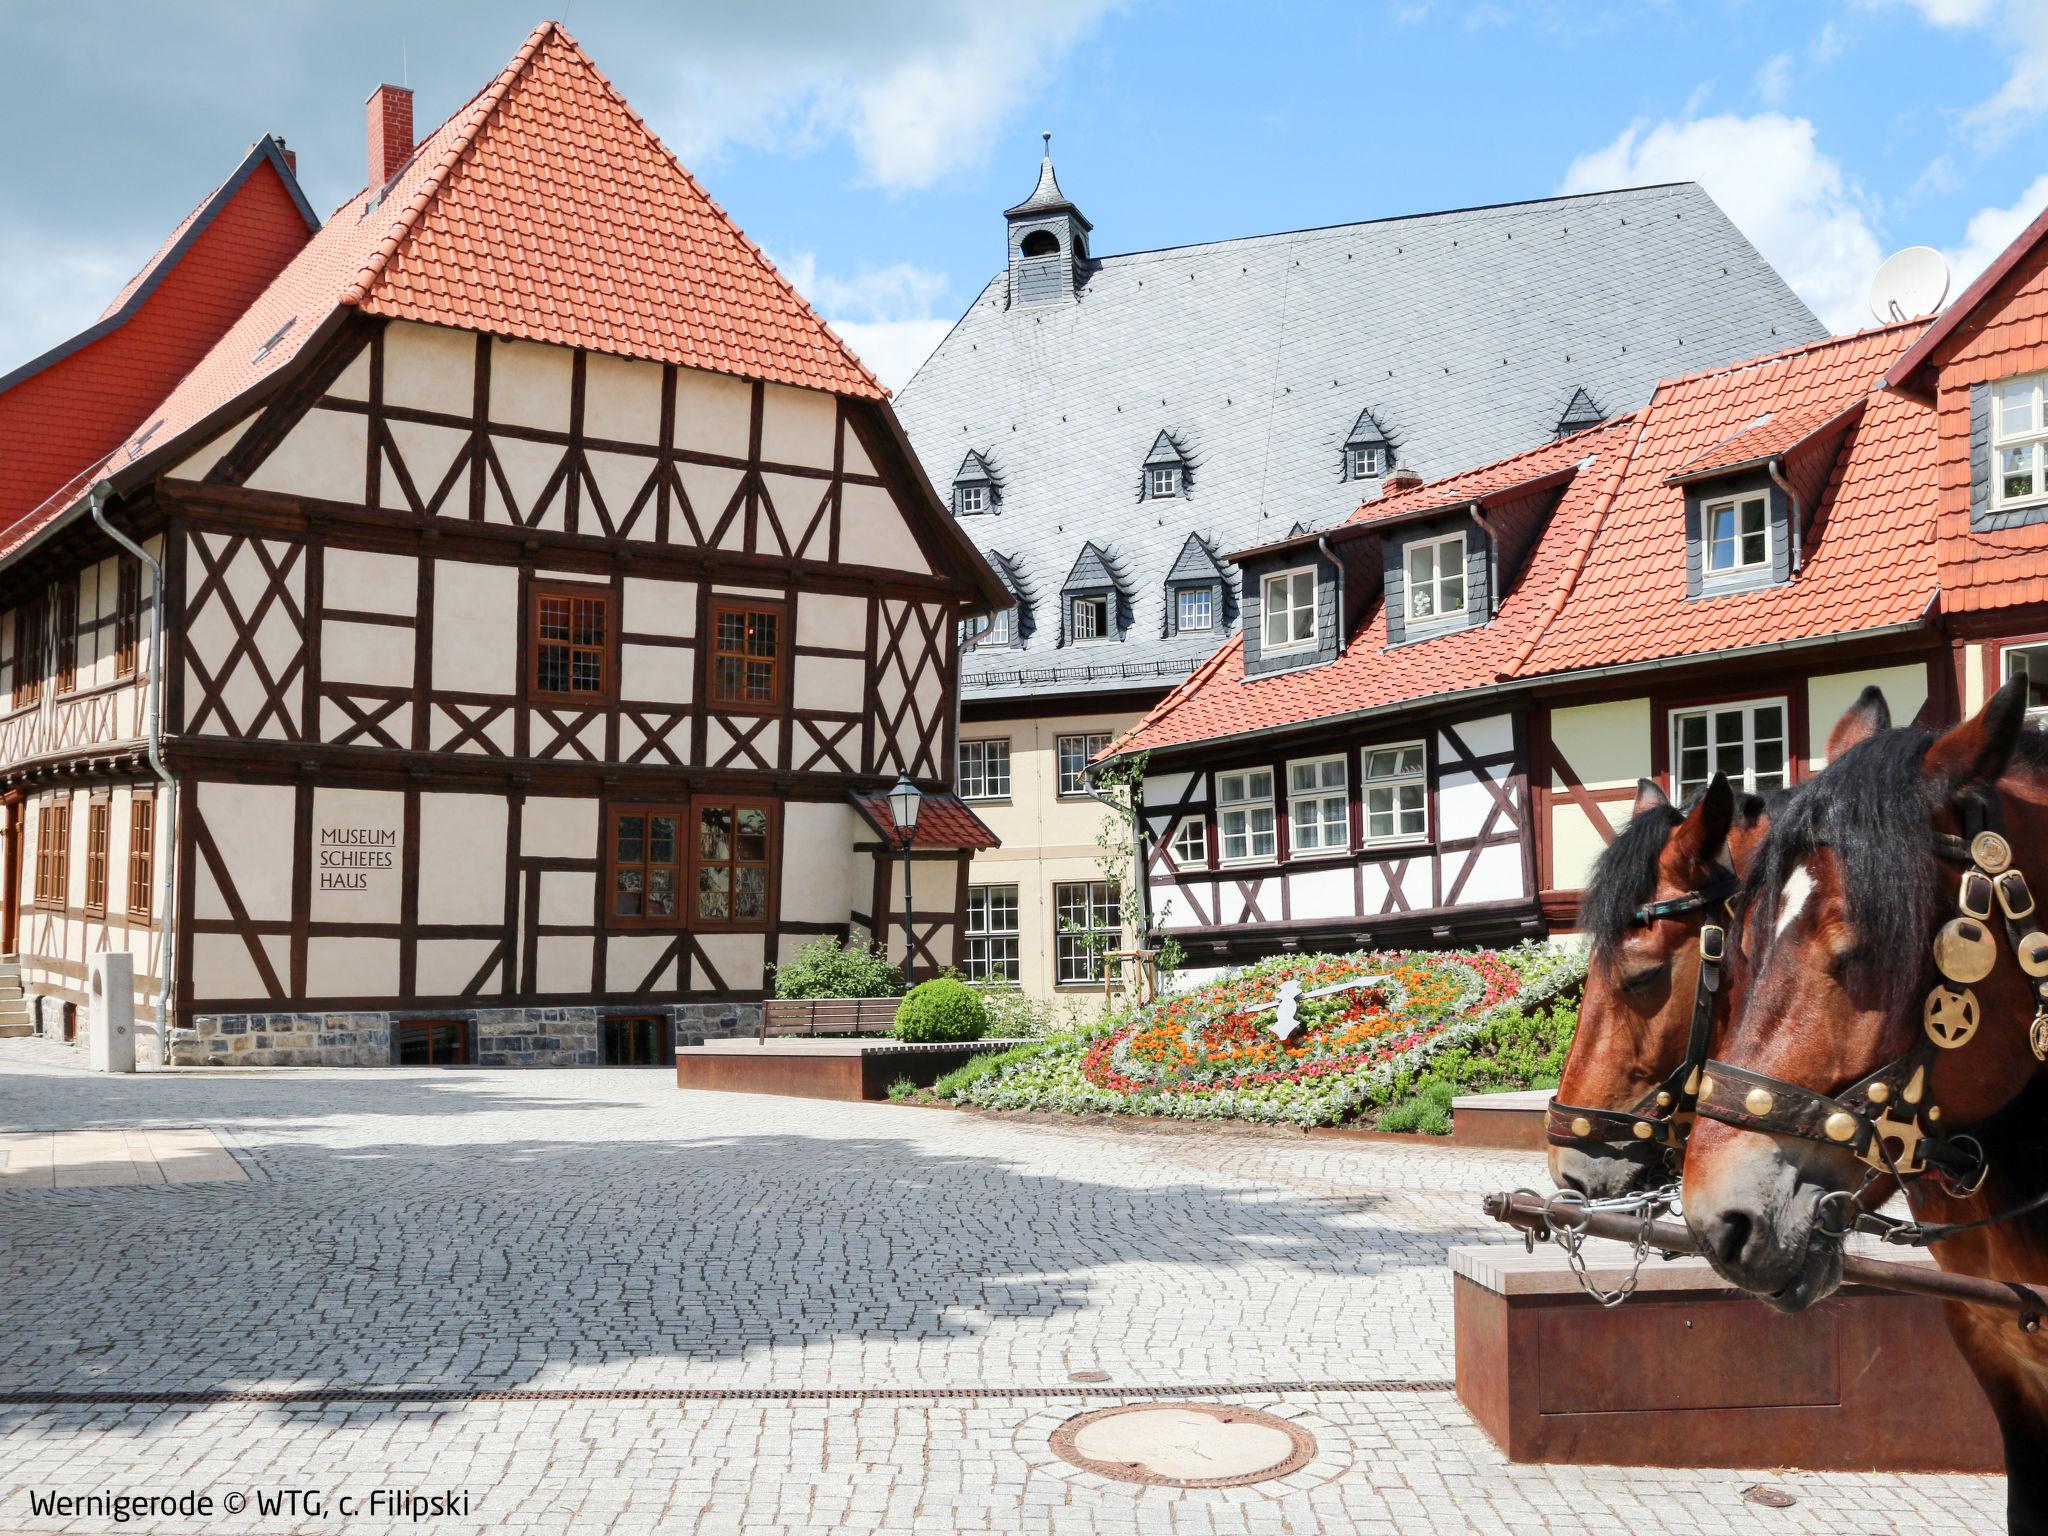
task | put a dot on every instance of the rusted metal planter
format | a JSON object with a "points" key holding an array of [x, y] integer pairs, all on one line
{"points": [[1509, 1121], [1690, 1372], [821, 1069]]}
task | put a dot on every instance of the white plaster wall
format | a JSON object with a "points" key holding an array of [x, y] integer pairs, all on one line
{"points": [[714, 413], [559, 827], [368, 582], [380, 900], [429, 367], [476, 627], [621, 399], [1496, 875], [1828, 698], [352, 967], [324, 455], [798, 426], [654, 607], [823, 879], [873, 531], [252, 826], [531, 385], [1320, 893], [462, 859]]}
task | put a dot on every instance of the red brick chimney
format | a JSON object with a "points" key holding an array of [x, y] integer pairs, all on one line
{"points": [[1401, 479], [390, 115]]}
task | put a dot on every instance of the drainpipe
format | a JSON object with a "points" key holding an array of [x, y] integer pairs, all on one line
{"points": [[166, 820], [1492, 566], [1796, 522], [1343, 629]]}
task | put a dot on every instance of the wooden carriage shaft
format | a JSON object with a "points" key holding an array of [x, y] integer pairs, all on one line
{"points": [[1527, 1213]]}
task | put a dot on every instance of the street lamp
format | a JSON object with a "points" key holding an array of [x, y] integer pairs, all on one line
{"points": [[904, 800]]}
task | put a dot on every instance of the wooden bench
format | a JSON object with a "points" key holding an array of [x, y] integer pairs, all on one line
{"points": [[828, 1016]]}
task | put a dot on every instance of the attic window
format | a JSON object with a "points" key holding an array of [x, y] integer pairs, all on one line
{"points": [[1090, 618], [968, 500], [1194, 608], [1368, 461], [1162, 480], [1738, 535], [2019, 441], [275, 337], [1368, 451], [1579, 414]]}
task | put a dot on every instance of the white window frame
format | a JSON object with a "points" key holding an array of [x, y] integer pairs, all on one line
{"points": [[1391, 782], [2034, 440], [1439, 575], [1741, 505], [1193, 829], [996, 626], [1076, 962], [973, 499], [1240, 796], [1287, 581], [1107, 629], [1308, 809], [1181, 599], [1091, 742], [982, 785], [1746, 783], [1368, 461], [2037, 682], [1162, 481], [990, 946]]}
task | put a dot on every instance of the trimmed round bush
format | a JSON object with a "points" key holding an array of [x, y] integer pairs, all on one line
{"points": [[944, 1009]]}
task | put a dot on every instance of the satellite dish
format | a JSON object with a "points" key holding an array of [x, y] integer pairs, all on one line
{"points": [[1910, 285]]}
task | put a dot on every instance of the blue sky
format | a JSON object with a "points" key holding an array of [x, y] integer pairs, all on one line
{"points": [[871, 148]]}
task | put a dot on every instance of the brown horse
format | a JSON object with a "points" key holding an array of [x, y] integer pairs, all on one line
{"points": [[1891, 972], [1625, 1097]]}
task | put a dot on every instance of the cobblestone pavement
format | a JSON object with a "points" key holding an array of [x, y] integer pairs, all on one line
{"points": [[597, 1231]]}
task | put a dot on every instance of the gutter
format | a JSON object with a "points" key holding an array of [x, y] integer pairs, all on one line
{"points": [[1503, 686], [166, 821], [1342, 621], [1776, 470], [1492, 561]]}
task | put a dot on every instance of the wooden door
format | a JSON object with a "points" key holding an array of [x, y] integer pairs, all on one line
{"points": [[10, 871]]}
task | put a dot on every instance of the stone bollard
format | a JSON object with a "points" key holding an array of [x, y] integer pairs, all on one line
{"points": [[111, 1028]]}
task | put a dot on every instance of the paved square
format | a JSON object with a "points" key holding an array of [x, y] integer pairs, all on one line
{"points": [[447, 1256]]}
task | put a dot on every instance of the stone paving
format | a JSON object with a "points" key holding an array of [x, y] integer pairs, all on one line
{"points": [[594, 1231]]}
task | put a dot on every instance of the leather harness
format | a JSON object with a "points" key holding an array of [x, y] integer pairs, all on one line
{"points": [[1663, 1116], [1888, 1119]]}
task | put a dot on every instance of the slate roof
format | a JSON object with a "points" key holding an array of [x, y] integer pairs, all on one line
{"points": [[1466, 334], [1613, 548], [631, 257]]}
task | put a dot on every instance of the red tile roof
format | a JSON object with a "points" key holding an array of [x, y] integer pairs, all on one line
{"points": [[545, 209], [63, 412], [943, 821], [1771, 436], [1613, 550]]}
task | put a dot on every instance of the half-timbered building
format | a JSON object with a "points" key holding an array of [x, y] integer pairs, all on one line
{"points": [[1437, 713], [494, 649]]}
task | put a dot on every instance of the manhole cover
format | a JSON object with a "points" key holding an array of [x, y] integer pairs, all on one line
{"points": [[1183, 1445]]}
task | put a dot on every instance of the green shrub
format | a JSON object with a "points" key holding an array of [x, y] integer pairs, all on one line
{"points": [[962, 1078], [901, 1089], [944, 1008], [1014, 1015], [826, 968], [1428, 1112]]}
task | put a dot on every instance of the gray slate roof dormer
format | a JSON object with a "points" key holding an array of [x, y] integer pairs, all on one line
{"points": [[1048, 243], [1298, 332], [975, 472], [1197, 568], [1018, 585], [1095, 574], [1368, 431], [1167, 452], [1580, 413]]}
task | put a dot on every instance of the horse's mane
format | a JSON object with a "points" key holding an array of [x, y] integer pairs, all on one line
{"points": [[1626, 873]]}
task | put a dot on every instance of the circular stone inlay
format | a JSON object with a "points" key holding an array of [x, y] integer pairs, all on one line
{"points": [[1183, 1445]]}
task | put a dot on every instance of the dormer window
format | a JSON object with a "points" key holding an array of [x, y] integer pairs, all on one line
{"points": [[1194, 608], [1368, 461], [1287, 602], [1580, 414], [970, 499], [2019, 442], [1368, 450], [975, 486], [1166, 471], [1089, 618], [1436, 578], [1163, 480], [1738, 534], [989, 628]]}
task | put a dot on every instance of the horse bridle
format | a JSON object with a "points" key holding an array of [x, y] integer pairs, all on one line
{"points": [[1663, 1116], [1888, 1119]]}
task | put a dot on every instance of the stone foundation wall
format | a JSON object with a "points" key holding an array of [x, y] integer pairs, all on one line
{"points": [[46, 1012], [499, 1037]]}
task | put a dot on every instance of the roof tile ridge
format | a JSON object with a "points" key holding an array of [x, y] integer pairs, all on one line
{"points": [[716, 207], [1575, 563], [479, 108], [1186, 690], [1425, 494], [1764, 358]]}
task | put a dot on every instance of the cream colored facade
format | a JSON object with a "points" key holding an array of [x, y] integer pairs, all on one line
{"points": [[1047, 838]]}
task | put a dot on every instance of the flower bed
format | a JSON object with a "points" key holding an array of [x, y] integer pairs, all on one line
{"points": [[1210, 1053]]}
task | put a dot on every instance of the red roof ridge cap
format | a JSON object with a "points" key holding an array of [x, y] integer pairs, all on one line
{"points": [[1575, 562], [1762, 359], [479, 108], [1372, 511]]}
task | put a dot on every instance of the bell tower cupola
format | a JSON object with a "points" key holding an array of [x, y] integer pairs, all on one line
{"points": [[1048, 242]]}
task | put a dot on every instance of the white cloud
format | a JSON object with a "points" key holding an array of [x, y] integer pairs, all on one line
{"points": [[892, 317], [1989, 232], [1952, 13], [1794, 203], [1774, 80], [918, 89], [2020, 29]]}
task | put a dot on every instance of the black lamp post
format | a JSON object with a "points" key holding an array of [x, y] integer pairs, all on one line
{"points": [[904, 800]]}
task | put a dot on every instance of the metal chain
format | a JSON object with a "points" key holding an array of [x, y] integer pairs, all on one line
{"points": [[1564, 1223]]}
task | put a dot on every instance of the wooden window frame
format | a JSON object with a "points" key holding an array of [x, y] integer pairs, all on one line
{"points": [[53, 855], [981, 930], [607, 650], [142, 854], [127, 614], [1092, 742], [31, 648], [686, 828], [1068, 943], [1391, 783], [1246, 806], [694, 919], [1739, 506], [1304, 805], [983, 751], [1366, 461], [1162, 482], [64, 636], [99, 814], [1674, 724], [1440, 576], [1190, 858], [779, 685], [1288, 583], [402, 1027], [2033, 439]]}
